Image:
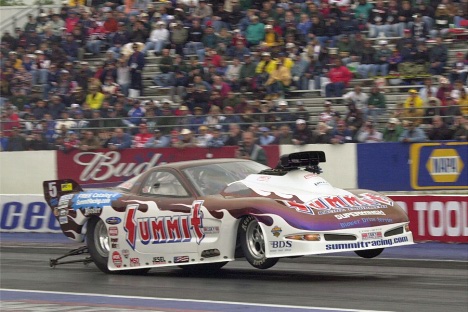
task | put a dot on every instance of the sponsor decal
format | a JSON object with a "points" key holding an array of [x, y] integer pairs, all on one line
{"points": [[134, 262], [27, 213], [67, 197], [337, 204], [159, 260], [63, 219], [92, 211], [263, 178], [113, 231], [113, 220], [310, 175], [125, 253], [159, 230], [360, 245], [280, 244], [211, 229], [349, 224], [63, 203], [117, 259], [66, 187], [299, 207], [127, 185], [372, 235], [181, 259], [97, 199], [114, 243], [351, 202], [360, 213], [276, 231], [53, 202], [321, 183]]}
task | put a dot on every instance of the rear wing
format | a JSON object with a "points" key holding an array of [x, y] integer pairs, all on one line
{"points": [[54, 189]]}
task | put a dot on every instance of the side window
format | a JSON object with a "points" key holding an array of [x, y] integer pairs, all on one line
{"points": [[162, 183]]}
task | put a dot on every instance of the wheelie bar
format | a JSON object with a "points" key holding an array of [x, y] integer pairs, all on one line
{"points": [[74, 252]]}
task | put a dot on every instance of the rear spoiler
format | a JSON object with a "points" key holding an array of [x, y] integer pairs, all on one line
{"points": [[54, 189], [301, 159]]}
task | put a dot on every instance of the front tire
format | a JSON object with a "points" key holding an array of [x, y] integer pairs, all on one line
{"points": [[369, 253], [97, 240], [252, 243]]}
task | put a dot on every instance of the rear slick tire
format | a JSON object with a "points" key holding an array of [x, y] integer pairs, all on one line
{"points": [[97, 240], [369, 253], [252, 242]]}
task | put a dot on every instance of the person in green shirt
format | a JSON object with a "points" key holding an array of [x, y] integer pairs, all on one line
{"points": [[363, 10], [247, 72], [392, 131], [376, 103], [255, 32]]}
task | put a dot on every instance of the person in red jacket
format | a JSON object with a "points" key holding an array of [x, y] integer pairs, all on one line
{"points": [[142, 136], [339, 78]]}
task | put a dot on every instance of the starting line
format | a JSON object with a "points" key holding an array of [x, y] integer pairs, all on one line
{"points": [[49, 301]]}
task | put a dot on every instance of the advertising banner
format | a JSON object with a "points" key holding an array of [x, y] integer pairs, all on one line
{"points": [[26, 213], [436, 218], [439, 166], [105, 168], [413, 167]]}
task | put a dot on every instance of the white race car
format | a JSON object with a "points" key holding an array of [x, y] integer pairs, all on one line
{"points": [[201, 214]]}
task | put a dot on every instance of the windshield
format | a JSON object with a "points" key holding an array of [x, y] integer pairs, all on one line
{"points": [[212, 179]]}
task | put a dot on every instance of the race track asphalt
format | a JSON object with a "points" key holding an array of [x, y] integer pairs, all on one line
{"points": [[424, 277]]}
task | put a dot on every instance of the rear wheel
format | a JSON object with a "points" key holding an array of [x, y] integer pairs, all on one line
{"points": [[97, 240], [369, 253], [252, 243]]}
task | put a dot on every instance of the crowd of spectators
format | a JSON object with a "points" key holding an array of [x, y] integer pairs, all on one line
{"points": [[212, 54]]}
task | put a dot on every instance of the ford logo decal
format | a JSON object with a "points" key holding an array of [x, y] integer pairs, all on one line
{"points": [[113, 220]]}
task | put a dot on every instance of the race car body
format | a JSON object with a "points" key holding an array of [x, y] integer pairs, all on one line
{"points": [[204, 213]]}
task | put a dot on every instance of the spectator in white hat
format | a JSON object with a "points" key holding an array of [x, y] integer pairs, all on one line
{"points": [[158, 39]]}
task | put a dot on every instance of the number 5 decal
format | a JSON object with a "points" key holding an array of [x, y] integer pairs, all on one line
{"points": [[53, 189]]}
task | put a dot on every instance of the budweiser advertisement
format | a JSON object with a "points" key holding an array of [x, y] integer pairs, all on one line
{"points": [[437, 218], [106, 168]]}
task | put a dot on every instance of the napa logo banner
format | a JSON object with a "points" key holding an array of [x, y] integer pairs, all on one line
{"points": [[438, 166]]}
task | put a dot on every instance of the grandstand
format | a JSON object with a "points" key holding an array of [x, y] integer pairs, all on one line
{"points": [[103, 38]]}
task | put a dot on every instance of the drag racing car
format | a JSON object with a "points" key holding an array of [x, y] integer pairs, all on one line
{"points": [[202, 214]]}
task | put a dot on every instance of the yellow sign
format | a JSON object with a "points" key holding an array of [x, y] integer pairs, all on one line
{"points": [[66, 187], [438, 166], [444, 165]]}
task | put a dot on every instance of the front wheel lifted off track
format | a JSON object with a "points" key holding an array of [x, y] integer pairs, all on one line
{"points": [[252, 242], [97, 240], [369, 253]]}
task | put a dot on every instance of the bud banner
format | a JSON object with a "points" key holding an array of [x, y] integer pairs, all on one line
{"points": [[105, 168]]}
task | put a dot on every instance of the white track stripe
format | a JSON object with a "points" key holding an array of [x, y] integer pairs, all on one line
{"points": [[186, 300]]}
